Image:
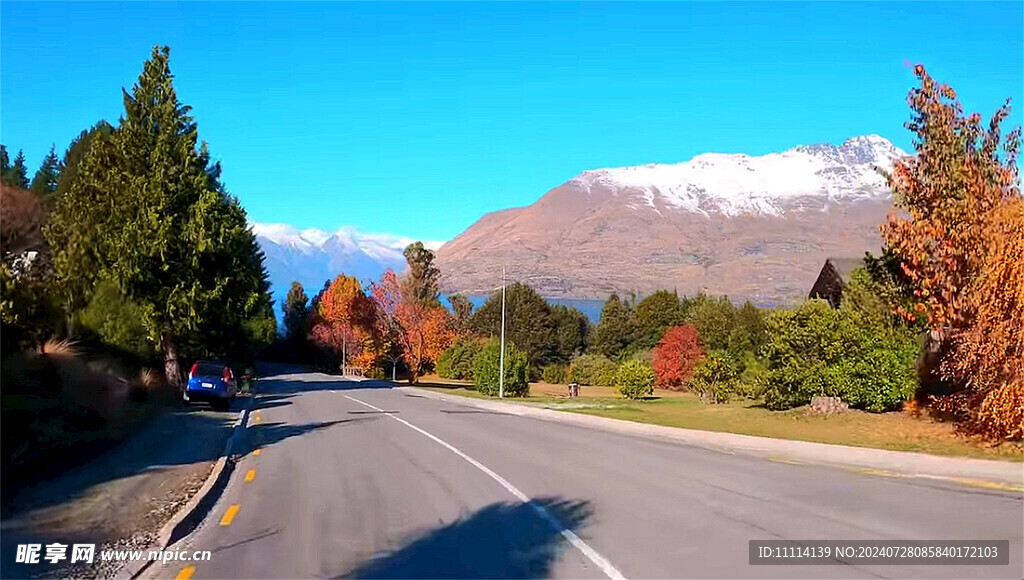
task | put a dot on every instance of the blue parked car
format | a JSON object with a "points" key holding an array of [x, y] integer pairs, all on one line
{"points": [[211, 382]]}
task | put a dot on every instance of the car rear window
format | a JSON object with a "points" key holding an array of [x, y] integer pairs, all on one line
{"points": [[209, 369]]}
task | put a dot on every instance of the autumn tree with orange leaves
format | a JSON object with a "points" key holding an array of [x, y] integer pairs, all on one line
{"points": [[958, 242], [345, 322]]}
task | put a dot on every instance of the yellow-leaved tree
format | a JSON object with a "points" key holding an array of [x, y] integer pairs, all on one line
{"points": [[958, 241]]}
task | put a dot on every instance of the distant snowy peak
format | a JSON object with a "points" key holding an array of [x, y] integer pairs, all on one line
{"points": [[735, 184], [346, 238], [313, 256]]}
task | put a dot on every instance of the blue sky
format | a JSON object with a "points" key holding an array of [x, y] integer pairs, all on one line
{"points": [[416, 119]]}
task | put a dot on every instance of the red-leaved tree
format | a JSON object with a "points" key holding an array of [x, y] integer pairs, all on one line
{"points": [[420, 329], [676, 355]]}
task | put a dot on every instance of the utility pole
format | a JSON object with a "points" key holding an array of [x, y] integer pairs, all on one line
{"points": [[501, 357]]}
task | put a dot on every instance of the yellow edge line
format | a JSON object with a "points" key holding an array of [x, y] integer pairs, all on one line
{"points": [[988, 484], [229, 515], [979, 483], [185, 573], [879, 472]]}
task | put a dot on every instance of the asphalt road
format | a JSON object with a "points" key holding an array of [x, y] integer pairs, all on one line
{"points": [[353, 480]]}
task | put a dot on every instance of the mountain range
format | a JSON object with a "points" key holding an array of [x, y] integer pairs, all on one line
{"points": [[312, 256], [752, 227]]}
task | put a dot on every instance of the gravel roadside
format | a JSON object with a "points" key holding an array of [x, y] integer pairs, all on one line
{"points": [[121, 499]]}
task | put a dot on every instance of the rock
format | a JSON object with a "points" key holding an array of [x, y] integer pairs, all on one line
{"points": [[828, 405]]}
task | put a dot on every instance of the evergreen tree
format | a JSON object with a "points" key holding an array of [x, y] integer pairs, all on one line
{"points": [[16, 174], [616, 332], [748, 333], [571, 330], [528, 322], [296, 313], [715, 319], [76, 151], [423, 276], [44, 184], [5, 162], [158, 223], [655, 314]]}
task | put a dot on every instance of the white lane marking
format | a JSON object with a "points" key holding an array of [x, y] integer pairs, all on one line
{"points": [[591, 554]]}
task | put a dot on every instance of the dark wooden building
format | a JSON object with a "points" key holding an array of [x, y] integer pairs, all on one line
{"points": [[834, 276]]}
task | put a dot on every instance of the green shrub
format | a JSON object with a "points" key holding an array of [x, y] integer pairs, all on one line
{"points": [[716, 378], [443, 366], [881, 381], [592, 369], [635, 379], [486, 370], [816, 350], [554, 374], [456, 362], [753, 375], [115, 320]]}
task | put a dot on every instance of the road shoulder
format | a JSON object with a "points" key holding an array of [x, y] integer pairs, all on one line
{"points": [[982, 473]]}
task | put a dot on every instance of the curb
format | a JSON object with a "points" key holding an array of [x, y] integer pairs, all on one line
{"points": [[175, 528], [977, 473]]}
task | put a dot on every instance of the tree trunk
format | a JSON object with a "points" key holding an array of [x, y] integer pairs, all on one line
{"points": [[172, 368]]}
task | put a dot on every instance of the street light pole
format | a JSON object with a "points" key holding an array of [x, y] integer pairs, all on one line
{"points": [[501, 357]]}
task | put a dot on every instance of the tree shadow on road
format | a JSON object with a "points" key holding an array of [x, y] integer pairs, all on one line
{"points": [[501, 540], [285, 385]]}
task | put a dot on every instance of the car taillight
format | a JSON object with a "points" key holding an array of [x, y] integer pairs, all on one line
{"points": [[191, 373], [227, 374]]}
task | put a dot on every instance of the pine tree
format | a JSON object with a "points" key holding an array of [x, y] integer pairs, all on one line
{"points": [[616, 331], [5, 161], [15, 174], [148, 211], [296, 312], [44, 184], [76, 151]]}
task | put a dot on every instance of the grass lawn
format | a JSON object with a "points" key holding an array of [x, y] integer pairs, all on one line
{"points": [[897, 431]]}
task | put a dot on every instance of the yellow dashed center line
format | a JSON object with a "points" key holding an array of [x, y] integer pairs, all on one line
{"points": [[256, 452], [185, 573], [250, 475], [256, 418], [229, 516]]}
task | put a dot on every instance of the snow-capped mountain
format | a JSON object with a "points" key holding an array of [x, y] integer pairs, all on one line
{"points": [[313, 256], [749, 226], [768, 184]]}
